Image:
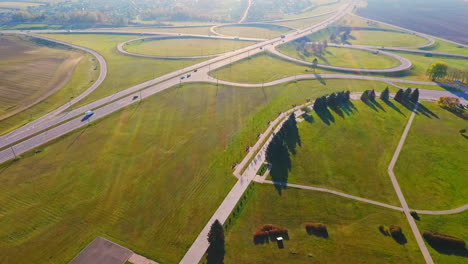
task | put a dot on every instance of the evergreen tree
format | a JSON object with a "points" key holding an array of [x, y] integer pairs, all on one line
{"points": [[385, 95], [340, 98], [415, 96], [399, 96], [371, 95], [365, 96], [331, 100], [348, 96], [407, 94], [216, 250]]}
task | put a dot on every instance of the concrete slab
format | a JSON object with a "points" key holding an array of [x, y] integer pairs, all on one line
{"points": [[102, 251]]}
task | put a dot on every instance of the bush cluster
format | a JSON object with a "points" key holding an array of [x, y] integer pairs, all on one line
{"points": [[395, 231], [267, 232], [333, 100], [443, 240], [317, 229]]}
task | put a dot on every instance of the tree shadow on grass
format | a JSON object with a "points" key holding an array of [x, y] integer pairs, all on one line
{"points": [[320, 79], [400, 238], [280, 164], [318, 233], [326, 116], [308, 118], [393, 106], [447, 250], [421, 109]]}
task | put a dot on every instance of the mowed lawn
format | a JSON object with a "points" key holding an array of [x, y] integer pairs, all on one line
{"points": [[385, 38], [432, 165], [353, 230], [350, 153], [201, 30], [261, 68], [123, 71], [253, 31], [185, 46], [454, 225], [36, 77], [303, 23], [148, 177], [342, 57], [444, 46]]}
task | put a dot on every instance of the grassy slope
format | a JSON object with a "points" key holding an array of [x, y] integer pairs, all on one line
{"points": [[315, 11], [454, 225], [116, 177], [84, 74], [187, 30], [353, 230], [344, 58], [355, 21], [433, 163], [123, 71], [185, 47], [260, 31], [304, 22], [387, 39], [363, 144], [443, 46]]}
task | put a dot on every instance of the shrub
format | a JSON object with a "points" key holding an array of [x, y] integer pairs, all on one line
{"points": [[260, 237], [384, 230], [395, 230], [267, 232], [317, 229], [443, 240]]}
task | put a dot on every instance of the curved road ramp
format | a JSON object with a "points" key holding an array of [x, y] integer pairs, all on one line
{"points": [[103, 251]]}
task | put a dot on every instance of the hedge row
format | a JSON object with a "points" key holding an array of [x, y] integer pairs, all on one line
{"points": [[444, 240]]}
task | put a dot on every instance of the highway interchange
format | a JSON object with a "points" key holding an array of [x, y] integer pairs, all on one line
{"points": [[59, 122]]}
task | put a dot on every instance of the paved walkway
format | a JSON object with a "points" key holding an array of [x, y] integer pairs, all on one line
{"points": [[401, 197], [246, 12]]}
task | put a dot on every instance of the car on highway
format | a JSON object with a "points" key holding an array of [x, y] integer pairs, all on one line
{"points": [[87, 115], [182, 77], [189, 75]]}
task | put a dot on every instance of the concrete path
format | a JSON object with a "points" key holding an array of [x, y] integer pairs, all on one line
{"points": [[246, 12], [401, 197]]}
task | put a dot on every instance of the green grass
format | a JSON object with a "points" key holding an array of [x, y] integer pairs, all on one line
{"points": [[35, 69], [253, 31], [443, 46], [354, 21], [352, 226], [385, 38], [363, 145], [432, 165], [261, 68], [186, 30], [343, 57], [303, 23], [454, 225], [123, 71], [428, 87], [185, 47], [116, 177], [315, 11]]}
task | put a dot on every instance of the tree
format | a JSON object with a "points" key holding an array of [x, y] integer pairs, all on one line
{"points": [[415, 96], [437, 71], [399, 96], [385, 95], [407, 94], [216, 251], [331, 100], [365, 96], [314, 64], [371, 95]]}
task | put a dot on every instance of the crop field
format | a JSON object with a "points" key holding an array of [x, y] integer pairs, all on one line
{"points": [[432, 169], [351, 58], [35, 78], [353, 230], [89, 183], [17, 5], [185, 47], [253, 31], [454, 225], [119, 66], [367, 137]]}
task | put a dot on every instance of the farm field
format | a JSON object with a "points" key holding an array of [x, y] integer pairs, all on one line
{"points": [[353, 230], [453, 225], [185, 47], [367, 136], [253, 31], [431, 169], [142, 69], [102, 180], [37, 76], [343, 57]]}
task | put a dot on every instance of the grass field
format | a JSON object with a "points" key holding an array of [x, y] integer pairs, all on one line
{"points": [[185, 47], [432, 165], [123, 71], [303, 23], [454, 225], [90, 183], [186, 30], [352, 227], [363, 145], [354, 21], [385, 38], [253, 70], [253, 31], [351, 58], [30, 70], [443, 46], [315, 11]]}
